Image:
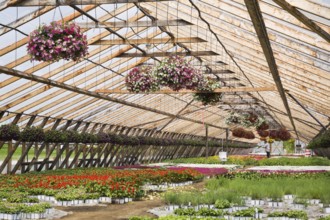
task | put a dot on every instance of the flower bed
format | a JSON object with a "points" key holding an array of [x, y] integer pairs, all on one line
{"points": [[257, 161], [87, 184]]}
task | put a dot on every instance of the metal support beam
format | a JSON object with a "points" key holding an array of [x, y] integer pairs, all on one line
{"points": [[172, 119], [260, 28], [185, 91], [150, 41], [167, 54], [306, 110], [125, 24], [71, 2], [50, 82]]}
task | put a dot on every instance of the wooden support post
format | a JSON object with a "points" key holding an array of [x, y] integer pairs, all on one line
{"points": [[10, 155], [10, 148], [36, 147], [50, 150]]}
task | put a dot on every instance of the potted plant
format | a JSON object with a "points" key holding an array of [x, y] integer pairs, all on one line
{"points": [[205, 92], [262, 126], [74, 136], [103, 137], [233, 119], [249, 135], [263, 133], [32, 134], [176, 73], [238, 132], [89, 138], [142, 79], [283, 134], [55, 136], [57, 41], [9, 132]]}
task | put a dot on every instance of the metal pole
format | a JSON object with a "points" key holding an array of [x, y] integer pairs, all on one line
{"points": [[207, 140], [227, 135]]}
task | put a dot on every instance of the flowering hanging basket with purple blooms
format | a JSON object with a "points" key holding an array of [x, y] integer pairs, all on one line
{"points": [[57, 41], [176, 73], [141, 79]]}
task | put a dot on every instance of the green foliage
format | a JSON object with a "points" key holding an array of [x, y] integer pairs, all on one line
{"points": [[322, 141], [222, 204], [74, 136], [55, 136], [244, 213], [183, 211], [250, 161], [291, 214], [89, 138], [325, 218], [32, 134], [71, 194], [9, 132], [209, 212]]}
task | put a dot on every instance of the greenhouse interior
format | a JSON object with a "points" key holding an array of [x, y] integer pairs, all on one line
{"points": [[165, 109]]}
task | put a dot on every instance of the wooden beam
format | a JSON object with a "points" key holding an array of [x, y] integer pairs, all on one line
{"points": [[220, 72], [185, 91], [7, 3], [94, 94], [304, 19], [167, 54], [150, 41], [25, 19], [228, 79], [125, 24], [260, 28], [72, 2]]}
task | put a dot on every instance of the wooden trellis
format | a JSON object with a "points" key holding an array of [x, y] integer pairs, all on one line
{"points": [[218, 36]]}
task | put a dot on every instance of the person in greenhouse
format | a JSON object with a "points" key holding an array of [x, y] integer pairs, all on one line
{"points": [[267, 147]]}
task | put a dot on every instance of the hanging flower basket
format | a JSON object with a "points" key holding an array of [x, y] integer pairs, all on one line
{"points": [[233, 119], [211, 98], [32, 134], [273, 134], [142, 79], [238, 132], [263, 133], [263, 126], [57, 41], [9, 132], [176, 73], [249, 135], [283, 134]]}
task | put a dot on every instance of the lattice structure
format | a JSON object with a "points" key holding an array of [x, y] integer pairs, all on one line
{"points": [[275, 53]]}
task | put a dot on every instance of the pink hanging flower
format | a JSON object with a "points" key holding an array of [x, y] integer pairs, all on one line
{"points": [[141, 79], [57, 41]]}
